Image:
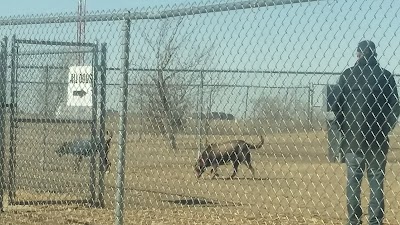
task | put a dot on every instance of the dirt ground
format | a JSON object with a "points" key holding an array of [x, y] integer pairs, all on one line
{"points": [[294, 184], [48, 215]]}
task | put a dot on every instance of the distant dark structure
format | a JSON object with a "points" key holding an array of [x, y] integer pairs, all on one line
{"points": [[215, 116]]}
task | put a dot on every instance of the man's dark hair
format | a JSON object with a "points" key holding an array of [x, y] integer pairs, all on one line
{"points": [[367, 48]]}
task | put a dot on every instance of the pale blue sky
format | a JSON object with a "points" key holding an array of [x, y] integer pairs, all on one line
{"points": [[23, 7], [313, 37]]}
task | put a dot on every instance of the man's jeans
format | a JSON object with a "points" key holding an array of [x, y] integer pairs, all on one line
{"points": [[374, 164]]}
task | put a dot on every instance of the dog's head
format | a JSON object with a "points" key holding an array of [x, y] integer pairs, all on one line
{"points": [[199, 167], [62, 150]]}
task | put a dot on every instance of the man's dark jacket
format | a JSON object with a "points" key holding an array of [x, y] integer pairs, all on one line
{"points": [[367, 107]]}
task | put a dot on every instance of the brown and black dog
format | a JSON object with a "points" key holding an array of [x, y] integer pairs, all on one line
{"points": [[235, 151]]}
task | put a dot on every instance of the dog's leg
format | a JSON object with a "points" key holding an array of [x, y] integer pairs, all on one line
{"points": [[235, 168], [78, 163], [248, 164], [106, 163], [251, 168], [214, 171], [106, 160]]}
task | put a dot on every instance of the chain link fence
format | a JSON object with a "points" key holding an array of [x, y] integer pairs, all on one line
{"points": [[107, 128]]}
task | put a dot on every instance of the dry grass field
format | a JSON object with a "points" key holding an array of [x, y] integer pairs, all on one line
{"points": [[294, 182]]}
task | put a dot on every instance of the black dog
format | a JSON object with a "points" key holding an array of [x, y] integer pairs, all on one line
{"points": [[236, 151]]}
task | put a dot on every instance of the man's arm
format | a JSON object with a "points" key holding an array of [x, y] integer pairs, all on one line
{"points": [[393, 100], [337, 108]]}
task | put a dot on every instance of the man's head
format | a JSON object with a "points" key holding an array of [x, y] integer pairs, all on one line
{"points": [[366, 51]]}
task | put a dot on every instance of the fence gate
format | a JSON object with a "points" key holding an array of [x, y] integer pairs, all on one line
{"points": [[54, 94]]}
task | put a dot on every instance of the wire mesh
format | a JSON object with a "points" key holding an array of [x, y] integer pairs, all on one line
{"points": [[180, 81]]}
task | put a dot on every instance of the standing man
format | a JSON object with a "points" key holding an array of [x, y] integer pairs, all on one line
{"points": [[367, 110]]}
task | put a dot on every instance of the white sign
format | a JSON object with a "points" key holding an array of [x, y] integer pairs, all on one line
{"points": [[80, 88]]}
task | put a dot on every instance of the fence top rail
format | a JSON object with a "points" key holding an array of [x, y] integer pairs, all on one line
{"points": [[51, 120], [194, 70], [135, 15], [53, 52], [186, 85], [202, 70], [60, 43], [230, 71]]}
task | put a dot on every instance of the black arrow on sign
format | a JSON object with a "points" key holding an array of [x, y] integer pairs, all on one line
{"points": [[80, 93]]}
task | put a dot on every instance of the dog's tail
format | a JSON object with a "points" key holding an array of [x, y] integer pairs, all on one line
{"points": [[259, 145]]}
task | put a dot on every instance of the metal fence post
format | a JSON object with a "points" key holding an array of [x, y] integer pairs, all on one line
{"points": [[246, 102], [310, 106], [119, 195], [45, 115], [93, 127], [200, 113], [334, 135], [141, 129], [3, 102], [13, 106], [102, 123]]}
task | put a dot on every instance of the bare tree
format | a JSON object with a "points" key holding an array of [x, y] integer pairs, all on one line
{"points": [[167, 97], [284, 111], [54, 91]]}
